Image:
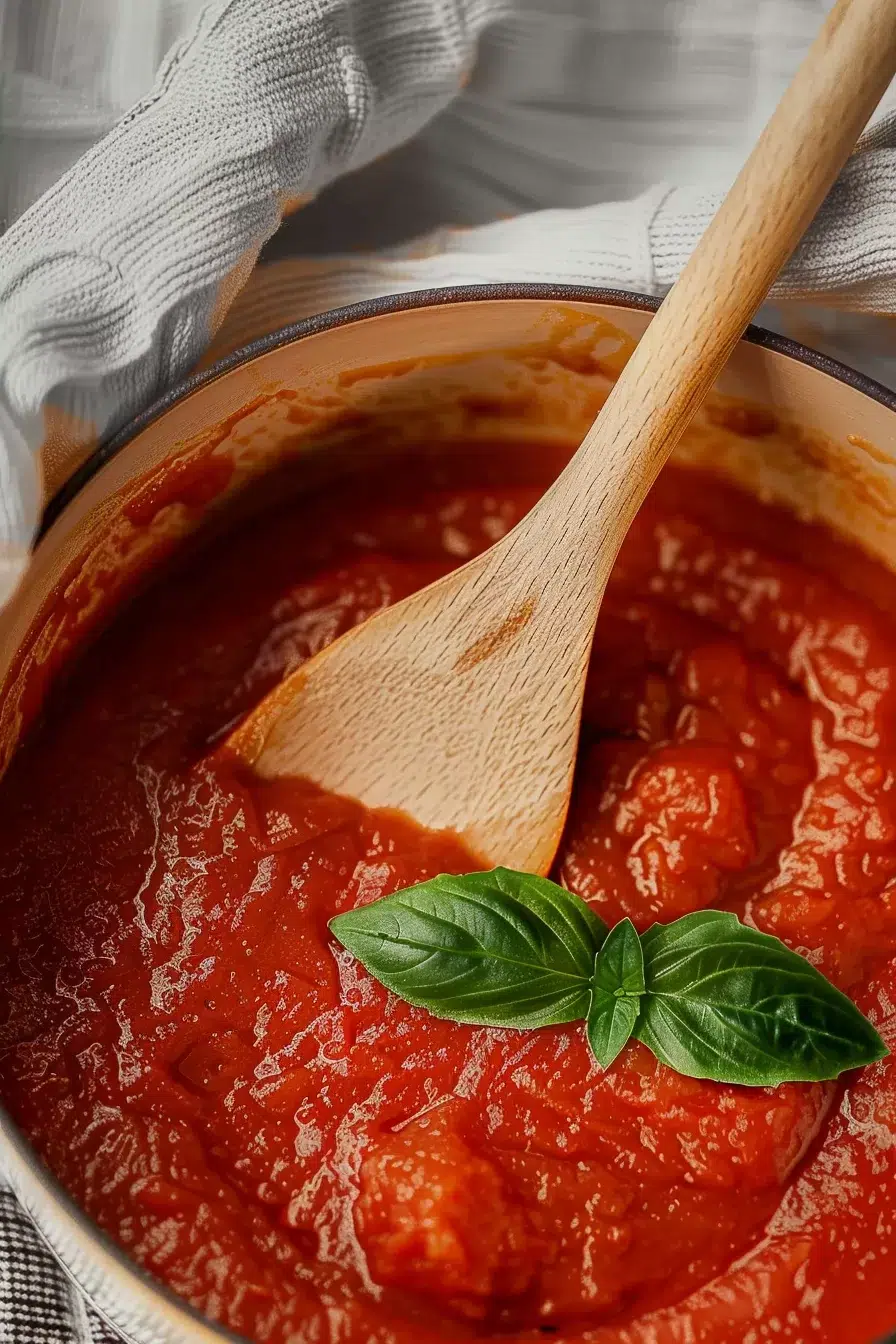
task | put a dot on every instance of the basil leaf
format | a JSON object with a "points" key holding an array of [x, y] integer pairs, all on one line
{"points": [[617, 986], [619, 965], [609, 1025], [726, 1002], [497, 949]]}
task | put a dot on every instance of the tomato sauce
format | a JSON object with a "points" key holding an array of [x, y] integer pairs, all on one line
{"points": [[304, 1158]]}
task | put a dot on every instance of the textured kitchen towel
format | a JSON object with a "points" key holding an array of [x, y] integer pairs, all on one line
{"points": [[38, 1304], [113, 282]]}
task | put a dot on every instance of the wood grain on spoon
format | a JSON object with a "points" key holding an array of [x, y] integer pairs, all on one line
{"points": [[461, 705]]}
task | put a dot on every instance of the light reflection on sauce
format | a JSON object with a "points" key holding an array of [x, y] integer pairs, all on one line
{"points": [[258, 1123]]}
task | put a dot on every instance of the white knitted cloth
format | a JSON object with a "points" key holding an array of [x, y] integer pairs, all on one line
{"points": [[113, 282]]}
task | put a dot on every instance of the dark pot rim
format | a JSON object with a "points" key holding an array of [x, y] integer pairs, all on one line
{"points": [[427, 298], [311, 326]]}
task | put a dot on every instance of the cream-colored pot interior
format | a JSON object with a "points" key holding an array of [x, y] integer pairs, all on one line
{"points": [[521, 369]]}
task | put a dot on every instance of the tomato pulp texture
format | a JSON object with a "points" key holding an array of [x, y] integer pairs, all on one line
{"points": [[305, 1158]]}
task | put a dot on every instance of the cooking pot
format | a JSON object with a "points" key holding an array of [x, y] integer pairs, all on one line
{"points": [[522, 365]]}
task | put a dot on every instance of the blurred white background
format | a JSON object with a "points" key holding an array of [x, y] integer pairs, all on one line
{"points": [[571, 102]]}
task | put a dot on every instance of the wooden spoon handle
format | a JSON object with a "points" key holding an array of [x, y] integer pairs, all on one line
{"points": [[760, 222]]}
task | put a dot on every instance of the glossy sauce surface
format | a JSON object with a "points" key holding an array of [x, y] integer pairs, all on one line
{"points": [[303, 1157]]}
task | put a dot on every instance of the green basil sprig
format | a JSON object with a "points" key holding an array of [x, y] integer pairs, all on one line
{"points": [[709, 996]]}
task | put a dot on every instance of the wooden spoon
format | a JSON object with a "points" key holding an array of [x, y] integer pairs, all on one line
{"points": [[461, 705]]}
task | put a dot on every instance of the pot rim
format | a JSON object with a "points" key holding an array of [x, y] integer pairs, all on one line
{"points": [[428, 298], [179, 1311]]}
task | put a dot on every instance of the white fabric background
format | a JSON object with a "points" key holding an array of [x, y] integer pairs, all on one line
{"points": [[572, 102], [127, 230], [148, 150]]}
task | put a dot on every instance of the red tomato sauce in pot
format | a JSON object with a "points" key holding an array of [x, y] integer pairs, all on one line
{"points": [[308, 1160]]}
